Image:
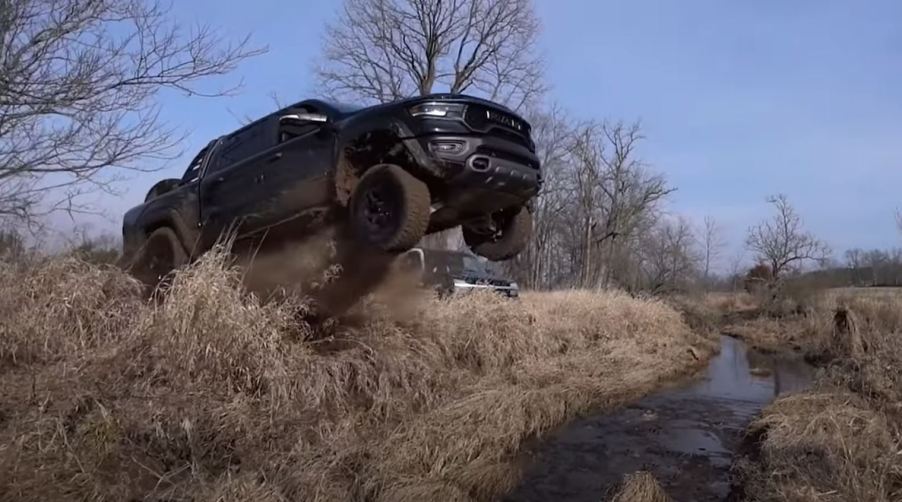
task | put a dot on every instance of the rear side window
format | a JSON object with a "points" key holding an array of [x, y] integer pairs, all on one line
{"points": [[193, 171]]}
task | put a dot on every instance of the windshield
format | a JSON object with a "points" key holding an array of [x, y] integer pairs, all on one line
{"points": [[471, 264], [454, 262], [345, 107]]}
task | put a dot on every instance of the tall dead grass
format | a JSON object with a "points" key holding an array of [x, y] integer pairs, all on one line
{"points": [[640, 487], [208, 393], [843, 440]]}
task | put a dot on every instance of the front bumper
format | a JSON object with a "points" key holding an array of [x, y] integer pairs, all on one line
{"points": [[486, 160], [463, 287], [486, 174]]}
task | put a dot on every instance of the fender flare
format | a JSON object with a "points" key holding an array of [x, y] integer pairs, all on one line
{"points": [[188, 236], [381, 142]]}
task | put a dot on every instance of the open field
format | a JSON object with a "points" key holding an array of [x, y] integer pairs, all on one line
{"points": [[841, 441], [845, 294], [209, 394]]}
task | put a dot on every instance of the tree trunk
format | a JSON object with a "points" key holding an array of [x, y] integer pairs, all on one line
{"points": [[587, 254]]}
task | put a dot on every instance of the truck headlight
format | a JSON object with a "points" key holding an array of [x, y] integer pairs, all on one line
{"points": [[438, 110]]}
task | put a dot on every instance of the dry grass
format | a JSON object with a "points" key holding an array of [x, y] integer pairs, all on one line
{"points": [[740, 315], [826, 445], [209, 394], [730, 301], [640, 487], [768, 334], [843, 440], [791, 323]]}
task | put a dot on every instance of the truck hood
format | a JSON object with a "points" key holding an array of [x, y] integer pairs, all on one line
{"points": [[456, 98]]}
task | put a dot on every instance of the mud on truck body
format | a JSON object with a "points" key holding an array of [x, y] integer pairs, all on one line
{"points": [[392, 173]]}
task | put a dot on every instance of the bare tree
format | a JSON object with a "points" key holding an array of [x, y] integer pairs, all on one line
{"points": [[875, 267], [712, 245], [854, 258], [614, 192], [736, 267], [542, 262], [782, 242], [78, 86], [597, 202], [383, 50], [669, 256], [876, 261], [854, 262]]}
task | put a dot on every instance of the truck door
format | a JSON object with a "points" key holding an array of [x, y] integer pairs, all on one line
{"points": [[297, 178], [232, 185]]}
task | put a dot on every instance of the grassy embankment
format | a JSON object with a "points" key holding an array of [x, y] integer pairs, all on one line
{"points": [[842, 440], [210, 394]]}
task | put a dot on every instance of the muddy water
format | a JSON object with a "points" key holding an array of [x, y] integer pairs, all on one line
{"points": [[685, 436]]}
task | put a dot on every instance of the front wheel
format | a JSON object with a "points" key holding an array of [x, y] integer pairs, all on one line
{"points": [[503, 236], [390, 209]]}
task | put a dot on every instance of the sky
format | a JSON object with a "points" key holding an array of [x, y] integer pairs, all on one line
{"points": [[738, 100]]}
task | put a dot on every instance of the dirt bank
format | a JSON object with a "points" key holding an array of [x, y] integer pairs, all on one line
{"points": [[210, 394]]}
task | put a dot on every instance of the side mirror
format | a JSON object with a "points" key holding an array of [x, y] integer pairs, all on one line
{"points": [[303, 118]]}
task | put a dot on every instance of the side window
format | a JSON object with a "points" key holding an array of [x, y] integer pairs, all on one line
{"points": [[228, 153], [193, 171], [243, 144], [288, 131]]}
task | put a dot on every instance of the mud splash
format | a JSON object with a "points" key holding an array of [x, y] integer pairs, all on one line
{"points": [[686, 436]]}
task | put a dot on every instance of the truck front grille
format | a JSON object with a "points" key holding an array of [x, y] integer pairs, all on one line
{"points": [[498, 123]]}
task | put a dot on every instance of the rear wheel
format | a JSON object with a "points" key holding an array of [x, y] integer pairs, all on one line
{"points": [[390, 209], [502, 236], [161, 254]]}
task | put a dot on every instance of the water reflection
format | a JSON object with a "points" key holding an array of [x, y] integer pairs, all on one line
{"points": [[747, 375]]}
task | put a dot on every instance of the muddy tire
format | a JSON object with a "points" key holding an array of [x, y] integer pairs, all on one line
{"points": [[158, 257], [510, 236], [161, 187], [389, 209]]}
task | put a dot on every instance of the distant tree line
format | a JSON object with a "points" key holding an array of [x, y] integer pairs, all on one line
{"points": [[98, 248], [783, 246], [862, 268]]}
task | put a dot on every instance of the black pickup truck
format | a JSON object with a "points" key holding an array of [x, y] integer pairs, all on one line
{"points": [[393, 173], [456, 272]]}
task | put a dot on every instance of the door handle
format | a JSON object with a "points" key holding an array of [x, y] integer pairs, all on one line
{"points": [[274, 157]]}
